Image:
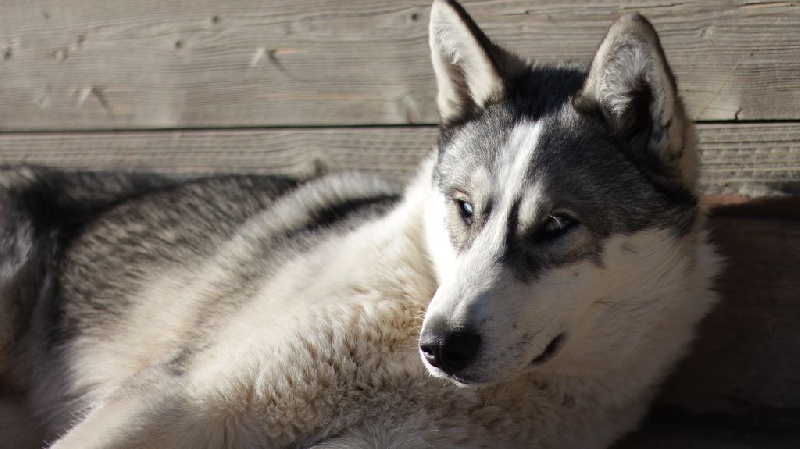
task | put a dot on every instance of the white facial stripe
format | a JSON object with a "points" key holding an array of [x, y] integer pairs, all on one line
{"points": [[516, 159], [437, 238], [476, 272]]}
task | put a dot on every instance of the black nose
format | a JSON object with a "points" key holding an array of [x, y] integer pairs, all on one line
{"points": [[452, 353]]}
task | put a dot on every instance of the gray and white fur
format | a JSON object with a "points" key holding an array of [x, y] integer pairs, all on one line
{"points": [[530, 288]]}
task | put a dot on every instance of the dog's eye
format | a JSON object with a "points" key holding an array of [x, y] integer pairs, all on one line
{"points": [[466, 209], [558, 224]]}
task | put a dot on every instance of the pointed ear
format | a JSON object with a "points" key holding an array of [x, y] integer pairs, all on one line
{"points": [[631, 87], [469, 68]]}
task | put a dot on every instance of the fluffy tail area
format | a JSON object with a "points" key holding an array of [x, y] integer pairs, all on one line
{"points": [[40, 209]]}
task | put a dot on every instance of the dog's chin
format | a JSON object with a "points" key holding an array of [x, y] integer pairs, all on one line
{"points": [[474, 378], [466, 379]]}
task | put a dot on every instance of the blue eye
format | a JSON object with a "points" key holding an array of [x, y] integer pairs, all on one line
{"points": [[558, 224], [466, 210]]}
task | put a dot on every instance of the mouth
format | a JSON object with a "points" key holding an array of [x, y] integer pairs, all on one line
{"points": [[550, 351]]}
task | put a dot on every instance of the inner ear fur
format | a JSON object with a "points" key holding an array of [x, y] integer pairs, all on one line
{"points": [[631, 88], [470, 69]]}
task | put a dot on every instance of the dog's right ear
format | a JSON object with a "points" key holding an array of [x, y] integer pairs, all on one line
{"points": [[470, 69], [631, 86]]}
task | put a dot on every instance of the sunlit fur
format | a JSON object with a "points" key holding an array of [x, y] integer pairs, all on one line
{"points": [[261, 312]]}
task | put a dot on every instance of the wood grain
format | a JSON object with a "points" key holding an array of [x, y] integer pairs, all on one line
{"points": [[752, 160], [113, 64], [739, 161], [391, 152]]}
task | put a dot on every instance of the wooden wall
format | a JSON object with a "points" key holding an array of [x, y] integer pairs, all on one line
{"points": [[306, 86]]}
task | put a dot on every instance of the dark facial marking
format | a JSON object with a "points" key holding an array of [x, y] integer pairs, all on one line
{"points": [[551, 350], [580, 165]]}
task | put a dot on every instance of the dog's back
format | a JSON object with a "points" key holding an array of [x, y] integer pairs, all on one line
{"points": [[40, 211], [78, 246]]}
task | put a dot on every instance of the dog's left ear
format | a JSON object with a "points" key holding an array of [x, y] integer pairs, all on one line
{"points": [[631, 86], [471, 70]]}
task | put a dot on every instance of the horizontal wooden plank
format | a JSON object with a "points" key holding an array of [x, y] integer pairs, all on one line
{"points": [[740, 161], [86, 64], [751, 160], [391, 152]]}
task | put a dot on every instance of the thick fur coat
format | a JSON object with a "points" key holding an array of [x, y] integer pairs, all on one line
{"points": [[529, 288]]}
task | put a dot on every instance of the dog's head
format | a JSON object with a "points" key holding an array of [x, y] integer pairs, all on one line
{"points": [[564, 201]]}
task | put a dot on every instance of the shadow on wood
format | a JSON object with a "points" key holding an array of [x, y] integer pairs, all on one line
{"points": [[740, 386]]}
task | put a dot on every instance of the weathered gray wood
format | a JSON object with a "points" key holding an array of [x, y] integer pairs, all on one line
{"points": [[86, 64], [392, 152], [750, 160]]}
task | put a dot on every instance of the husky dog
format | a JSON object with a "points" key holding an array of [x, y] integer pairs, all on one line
{"points": [[530, 288]]}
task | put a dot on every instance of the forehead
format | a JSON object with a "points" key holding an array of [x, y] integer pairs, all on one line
{"points": [[516, 148], [571, 159], [560, 160], [539, 92]]}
